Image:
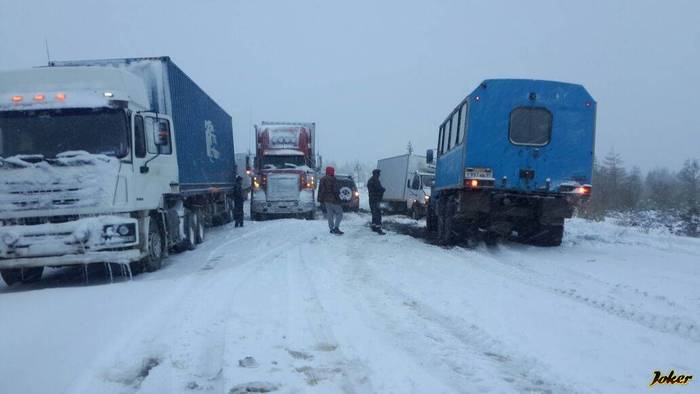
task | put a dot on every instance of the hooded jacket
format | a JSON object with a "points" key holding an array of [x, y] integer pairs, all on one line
{"points": [[328, 190]]}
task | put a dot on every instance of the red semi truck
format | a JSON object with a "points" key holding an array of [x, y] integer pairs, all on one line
{"points": [[285, 171]]}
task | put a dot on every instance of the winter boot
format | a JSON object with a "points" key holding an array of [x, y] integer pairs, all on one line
{"points": [[337, 231]]}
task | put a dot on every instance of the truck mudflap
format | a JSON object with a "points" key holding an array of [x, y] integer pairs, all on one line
{"points": [[87, 240]]}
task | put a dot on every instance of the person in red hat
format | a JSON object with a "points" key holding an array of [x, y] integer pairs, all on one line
{"points": [[329, 195]]}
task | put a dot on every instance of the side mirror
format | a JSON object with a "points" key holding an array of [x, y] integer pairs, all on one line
{"points": [[429, 156], [408, 183]]}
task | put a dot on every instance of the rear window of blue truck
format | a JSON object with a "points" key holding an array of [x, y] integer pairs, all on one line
{"points": [[530, 126]]}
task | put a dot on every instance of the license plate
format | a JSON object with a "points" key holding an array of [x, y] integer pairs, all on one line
{"points": [[478, 173]]}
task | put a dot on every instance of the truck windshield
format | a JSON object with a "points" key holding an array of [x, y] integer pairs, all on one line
{"points": [[283, 161], [50, 132]]}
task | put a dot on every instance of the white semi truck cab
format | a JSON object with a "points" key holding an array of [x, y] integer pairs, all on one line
{"points": [[100, 163]]}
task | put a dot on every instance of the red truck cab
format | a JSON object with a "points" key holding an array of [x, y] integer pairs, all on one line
{"points": [[285, 171]]}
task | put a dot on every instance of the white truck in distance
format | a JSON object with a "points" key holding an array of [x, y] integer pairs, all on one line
{"points": [[109, 161], [407, 180]]}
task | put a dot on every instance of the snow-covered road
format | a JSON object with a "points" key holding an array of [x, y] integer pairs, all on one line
{"points": [[285, 306]]}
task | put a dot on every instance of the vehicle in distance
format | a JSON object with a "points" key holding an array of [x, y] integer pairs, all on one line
{"points": [[285, 171], [407, 179]]}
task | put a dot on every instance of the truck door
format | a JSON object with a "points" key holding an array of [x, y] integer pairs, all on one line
{"points": [[155, 162], [414, 190], [530, 130]]}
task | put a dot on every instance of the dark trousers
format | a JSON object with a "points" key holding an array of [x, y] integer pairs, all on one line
{"points": [[238, 218], [376, 213]]}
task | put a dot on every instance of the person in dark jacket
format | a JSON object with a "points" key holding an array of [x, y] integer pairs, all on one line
{"points": [[376, 193], [329, 195], [238, 200]]}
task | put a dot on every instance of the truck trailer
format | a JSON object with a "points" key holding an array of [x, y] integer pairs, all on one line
{"points": [[111, 161], [285, 171], [514, 158], [407, 180]]}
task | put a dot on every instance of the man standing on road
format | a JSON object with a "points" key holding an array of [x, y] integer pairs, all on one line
{"points": [[329, 195], [238, 202], [376, 193]]}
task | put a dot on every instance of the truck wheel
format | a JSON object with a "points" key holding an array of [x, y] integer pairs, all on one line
{"points": [[154, 257], [445, 230], [190, 241], [199, 227], [229, 215], [24, 275], [311, 215], [415, 213]]}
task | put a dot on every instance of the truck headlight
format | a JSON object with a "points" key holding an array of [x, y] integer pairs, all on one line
{"points": [[124, 230]]}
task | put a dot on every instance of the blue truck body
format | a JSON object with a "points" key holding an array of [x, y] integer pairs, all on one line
{"points": [[204, 131], [515, 152]]}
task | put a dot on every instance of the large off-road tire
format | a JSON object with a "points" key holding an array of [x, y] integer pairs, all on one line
{"points": [[24, 275], [154, 247], [445, 230]]}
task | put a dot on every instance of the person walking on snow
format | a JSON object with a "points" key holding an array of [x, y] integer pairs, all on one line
{"points": [[329, 195], [238, 202], [376, 193]]}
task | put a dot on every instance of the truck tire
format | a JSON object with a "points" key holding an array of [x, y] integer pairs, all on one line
{"points": [[199, 226], [190, 241], [430, 219], [445, 230], [415, 213], [310, 216], [24, 275], [154, 244]]}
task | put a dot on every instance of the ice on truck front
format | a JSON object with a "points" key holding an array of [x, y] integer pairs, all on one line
{"points": [[88, 240]]}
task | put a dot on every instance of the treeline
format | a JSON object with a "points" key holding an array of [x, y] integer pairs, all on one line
{"points": [[661, 197]]}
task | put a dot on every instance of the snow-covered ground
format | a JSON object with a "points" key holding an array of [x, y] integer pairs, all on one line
{"points": [[285, 306]]}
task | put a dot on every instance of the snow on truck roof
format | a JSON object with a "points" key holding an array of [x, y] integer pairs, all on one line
{"points": [[69, 87]]}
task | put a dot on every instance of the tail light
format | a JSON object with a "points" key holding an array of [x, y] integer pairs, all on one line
{"points": [[584, 190]]}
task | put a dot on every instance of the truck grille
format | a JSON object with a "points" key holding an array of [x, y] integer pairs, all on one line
{"points": [[23, 197], [283, 187]]}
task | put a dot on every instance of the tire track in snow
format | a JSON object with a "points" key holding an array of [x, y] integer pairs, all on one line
{"points": [[200, 310], [354, 374], [682, 327], [464, 346]]}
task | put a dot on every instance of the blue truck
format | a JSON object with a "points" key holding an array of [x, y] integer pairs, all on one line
{"points": [[118, 161], [514, 158]]}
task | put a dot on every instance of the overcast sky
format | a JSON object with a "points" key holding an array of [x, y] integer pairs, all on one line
{"points": [[376, 74]]}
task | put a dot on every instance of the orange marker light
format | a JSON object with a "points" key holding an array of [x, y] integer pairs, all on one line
{"points": [[16, 99], [474, 183], [39, 97], [60, 96]]}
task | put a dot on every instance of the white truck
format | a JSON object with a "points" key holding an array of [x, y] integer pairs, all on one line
{"points": [[109, 161], [407, 180]]}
